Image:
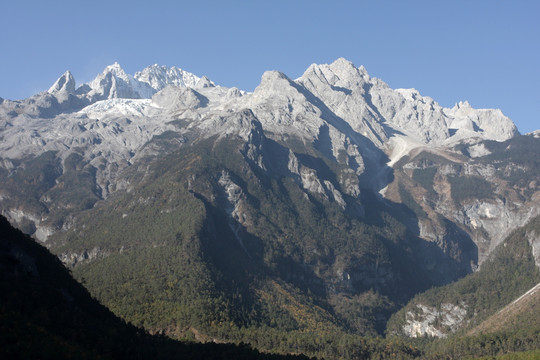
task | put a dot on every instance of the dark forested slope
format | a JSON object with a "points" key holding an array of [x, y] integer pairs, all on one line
{"points": [[45, 314]]}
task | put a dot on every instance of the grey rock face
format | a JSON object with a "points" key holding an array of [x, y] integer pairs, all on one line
{"points": [[343, 88], [337, 109], [158, 77], [176, 98], [234, 197], [489, 122], [534, 240], [425, 321], [115, 83], [64, 92], [204, 82], [71, 259], [497, 219], [484, 198], [378, 112], [65, 83]]}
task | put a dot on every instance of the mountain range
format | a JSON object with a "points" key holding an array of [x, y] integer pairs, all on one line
{"points": [[326, 204]]}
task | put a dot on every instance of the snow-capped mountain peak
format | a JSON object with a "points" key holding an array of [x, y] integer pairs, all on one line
{"points": [[204, 82], [113, 82], [114, 70], [65, 83], [157, 77], [336, 108], [339, 97]]}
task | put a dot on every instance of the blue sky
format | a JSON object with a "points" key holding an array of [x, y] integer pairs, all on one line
{"points": [[487, 52]]}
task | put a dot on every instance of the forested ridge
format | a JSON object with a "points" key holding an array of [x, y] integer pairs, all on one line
{"points": [[179, 279]]}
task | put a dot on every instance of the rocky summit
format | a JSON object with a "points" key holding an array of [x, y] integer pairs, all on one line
{"points": [[319, 204]]}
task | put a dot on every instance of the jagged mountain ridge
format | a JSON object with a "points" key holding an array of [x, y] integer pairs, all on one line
{"points": [[337, 106], [114, 82], [340, 97], [367, 104], [332, 139], [351, 117]]}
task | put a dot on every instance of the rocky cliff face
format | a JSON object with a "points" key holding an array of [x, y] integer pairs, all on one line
{"points": [[353, 119], [350, 117], [485, 189], [335, 145], [428, 321], [487, 300]]}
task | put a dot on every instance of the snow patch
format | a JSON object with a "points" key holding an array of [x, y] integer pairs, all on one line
{"points": [[126, 107]]}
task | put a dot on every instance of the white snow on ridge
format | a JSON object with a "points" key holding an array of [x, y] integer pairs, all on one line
{"points": [[535, 134], [126, 107], [114, 82], [352, 106], [160, 76], [412, 95]]}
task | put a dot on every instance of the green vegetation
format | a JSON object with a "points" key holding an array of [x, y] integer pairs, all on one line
{"points": [[524, 313], [425, 159], [499, 345], [509, 272], [408, 200], [467, 187], [291, 273], [45, 314], [170, 262], [26, 184], [525, 355], [425, 177], [44, 186], [517, 161]]}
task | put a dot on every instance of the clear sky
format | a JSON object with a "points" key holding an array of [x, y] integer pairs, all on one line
{"points": [[486, 52]]}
